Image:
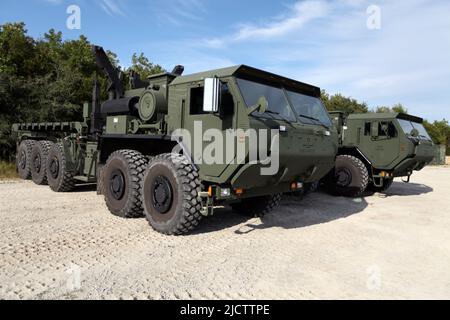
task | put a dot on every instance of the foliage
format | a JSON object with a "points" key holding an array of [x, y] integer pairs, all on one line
{"points": [[144, 67], [440, 132], [48, 79], [7, 170], [398, 108], [339, 102]]}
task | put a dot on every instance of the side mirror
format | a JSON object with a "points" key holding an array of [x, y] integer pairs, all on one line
{"points": [[261, 106], [211, 97], [375, 131]]}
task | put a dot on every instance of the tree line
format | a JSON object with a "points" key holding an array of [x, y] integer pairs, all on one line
{"points": [[48, 79]]}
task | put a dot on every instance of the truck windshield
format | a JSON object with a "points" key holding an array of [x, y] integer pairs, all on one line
{"points": [[409, 126], [310, 109], [278, 104], [282, 102], [422, 131]]}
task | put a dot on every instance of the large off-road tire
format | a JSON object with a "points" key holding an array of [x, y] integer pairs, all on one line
{"points": [[387, 183], [23, 161], [60, 178], [121, 186], [257, 207], [350, 177], [171, 195], [39, 156]]}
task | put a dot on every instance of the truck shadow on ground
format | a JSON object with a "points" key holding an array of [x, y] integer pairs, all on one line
{"points": [[294, 212], [405, 189]]}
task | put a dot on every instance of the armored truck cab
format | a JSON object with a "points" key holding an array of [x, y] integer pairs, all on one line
{"points": [[176, 147], [375, 148]]}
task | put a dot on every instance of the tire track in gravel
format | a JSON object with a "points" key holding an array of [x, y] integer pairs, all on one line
{"points": [[315, 248]]}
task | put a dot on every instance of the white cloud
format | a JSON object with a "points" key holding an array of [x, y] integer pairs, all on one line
{"points": [[302, 13], [327, 43], [178, 12], [113, 7], [299, 15]]}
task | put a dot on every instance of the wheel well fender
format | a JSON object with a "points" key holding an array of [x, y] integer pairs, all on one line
{"points": [[356, 153]]}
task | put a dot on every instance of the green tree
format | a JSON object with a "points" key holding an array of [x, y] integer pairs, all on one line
{"points": [[48, 79], [338, 102], [439, 131], [142, 65], [397, 108]]}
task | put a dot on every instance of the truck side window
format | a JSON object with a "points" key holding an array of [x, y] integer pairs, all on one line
{"points": [[392, 130], [383, 129], [387, 129], [226, 101], [367, 128], [196, 103]]}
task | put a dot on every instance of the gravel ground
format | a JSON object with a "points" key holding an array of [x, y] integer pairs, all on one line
{"points": [[389, 246]]}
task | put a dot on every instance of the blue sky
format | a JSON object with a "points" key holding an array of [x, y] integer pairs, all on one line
{"points": [[325, 43]]}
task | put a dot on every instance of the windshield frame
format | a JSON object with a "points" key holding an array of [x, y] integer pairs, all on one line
{"points": [[271, 113], [423, 133], [285, 90], [307, 117]]}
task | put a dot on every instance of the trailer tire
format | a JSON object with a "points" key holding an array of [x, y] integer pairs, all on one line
{"points": [[121, 185], [259, 206], [39, 156], [387, 183], [60, 178], [23, 161], [350, 178], [171, 195]]}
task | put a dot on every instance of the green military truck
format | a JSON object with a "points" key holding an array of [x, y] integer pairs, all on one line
{"points": [[375, 148], [131, 147]]}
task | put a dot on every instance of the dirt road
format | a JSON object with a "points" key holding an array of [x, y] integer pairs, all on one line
{"points": [[67, 246]]}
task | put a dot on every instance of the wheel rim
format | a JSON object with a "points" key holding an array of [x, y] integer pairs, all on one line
{"points": [[117, 184], [37, 163], [22, 160], [343, 177], [162, 194], [54, 168]]}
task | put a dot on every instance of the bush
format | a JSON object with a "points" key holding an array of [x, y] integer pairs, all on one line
{"points": [[7, 170]]}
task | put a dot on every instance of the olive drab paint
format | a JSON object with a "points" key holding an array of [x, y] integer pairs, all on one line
{"points": [[148, 116], [390, 144]]}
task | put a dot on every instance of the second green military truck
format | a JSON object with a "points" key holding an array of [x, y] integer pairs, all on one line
{"points": [[149, 148], [375, 148]]}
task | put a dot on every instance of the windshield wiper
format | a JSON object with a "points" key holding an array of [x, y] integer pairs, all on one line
{"points": [[279, 114], [308, 117], [314, 119]]}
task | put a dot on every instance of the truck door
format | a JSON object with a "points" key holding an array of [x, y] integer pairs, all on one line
{"points": [[200, 122], [380, 143]]}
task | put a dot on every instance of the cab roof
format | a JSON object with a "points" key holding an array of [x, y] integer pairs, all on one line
{"points": [[251, 73], [380, 116]]}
